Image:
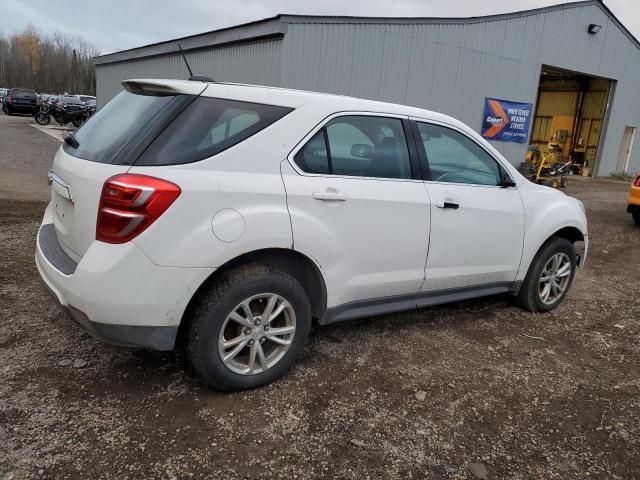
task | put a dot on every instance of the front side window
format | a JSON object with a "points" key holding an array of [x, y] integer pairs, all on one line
{"points": [[361, 146], [454, 158], [207, 127]]}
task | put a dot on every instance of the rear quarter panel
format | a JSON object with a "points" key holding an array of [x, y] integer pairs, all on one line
{"points": [[244, 178]]}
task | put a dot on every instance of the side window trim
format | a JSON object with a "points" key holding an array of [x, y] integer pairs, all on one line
{"points": [[322, 125], [327, 147], [424, 160], [425, 171]]}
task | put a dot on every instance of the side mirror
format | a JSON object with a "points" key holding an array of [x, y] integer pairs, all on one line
{"points": [[361, 150], [505, 180]]}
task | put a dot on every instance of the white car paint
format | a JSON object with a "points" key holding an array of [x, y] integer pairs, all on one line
{"points": [[387, 238]]}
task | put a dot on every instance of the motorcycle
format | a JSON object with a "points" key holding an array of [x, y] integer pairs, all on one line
{"points": [[62, 114]]}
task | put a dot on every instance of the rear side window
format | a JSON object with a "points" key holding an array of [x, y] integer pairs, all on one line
{"points": [[312, 158], [207, 127], [22, 93], [358, 146], [113, 126]]}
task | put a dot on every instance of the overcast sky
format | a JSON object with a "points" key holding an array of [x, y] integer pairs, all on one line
{"points": [[112, 25]]}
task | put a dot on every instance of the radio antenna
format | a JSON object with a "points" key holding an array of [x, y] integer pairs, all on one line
{"points": [[197, 78], [184, 57]]}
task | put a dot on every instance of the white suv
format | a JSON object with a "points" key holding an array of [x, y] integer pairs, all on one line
{"points": [[223, 218]]}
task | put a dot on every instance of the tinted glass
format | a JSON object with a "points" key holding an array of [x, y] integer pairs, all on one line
{"points": [[69, 100], [207, 127], [114, 125], [368, 146], [22, 93], [312, 158], [455, 158]]}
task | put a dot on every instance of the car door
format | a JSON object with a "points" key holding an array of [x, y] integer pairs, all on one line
{"points": [[477, 223], [358, 206]]}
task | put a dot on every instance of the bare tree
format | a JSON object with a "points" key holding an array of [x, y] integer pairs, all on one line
{"points": [[56, 63]]}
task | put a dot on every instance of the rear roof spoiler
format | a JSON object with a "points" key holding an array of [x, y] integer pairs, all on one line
{"points": [[163, 87]]}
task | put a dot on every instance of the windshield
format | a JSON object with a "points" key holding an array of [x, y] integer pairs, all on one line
{"points": [[107, 132]]}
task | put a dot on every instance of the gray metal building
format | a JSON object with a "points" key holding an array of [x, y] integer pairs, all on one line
{"points": [[575, 62]]}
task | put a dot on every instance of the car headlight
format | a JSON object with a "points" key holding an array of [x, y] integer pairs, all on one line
{"points": [[581, 206]]}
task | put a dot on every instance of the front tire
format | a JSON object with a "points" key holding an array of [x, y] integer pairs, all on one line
{"points": [[249, 328], [43, 119], [549, 277]]}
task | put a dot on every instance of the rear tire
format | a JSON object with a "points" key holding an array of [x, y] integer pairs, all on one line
{"points": [[219, 316], [77, 123], [636, 217], [532, 292]]}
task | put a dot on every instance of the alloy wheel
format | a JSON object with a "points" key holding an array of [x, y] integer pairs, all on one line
{"points": [[554, 278], [257, 334]]}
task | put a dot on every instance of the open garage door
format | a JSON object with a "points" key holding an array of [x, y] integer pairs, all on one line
{"points": [[569, 120]]}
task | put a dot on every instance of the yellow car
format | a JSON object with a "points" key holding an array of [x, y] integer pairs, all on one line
{"points": [[634, 200]]}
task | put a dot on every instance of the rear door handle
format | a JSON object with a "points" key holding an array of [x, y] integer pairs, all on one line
{"points": [[452, 205], [330, 195]]}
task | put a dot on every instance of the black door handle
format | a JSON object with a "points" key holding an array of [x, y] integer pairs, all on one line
{"points": [[451, 205]]}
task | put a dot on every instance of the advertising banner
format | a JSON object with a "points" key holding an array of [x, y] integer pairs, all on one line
{"points": [[506, 121]]}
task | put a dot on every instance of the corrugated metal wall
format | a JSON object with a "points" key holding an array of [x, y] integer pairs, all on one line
{"points": [[255, 62], [451, 68]]}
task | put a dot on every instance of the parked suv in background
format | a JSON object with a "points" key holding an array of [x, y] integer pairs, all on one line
{"points": [[19, 100], [223, 218]]}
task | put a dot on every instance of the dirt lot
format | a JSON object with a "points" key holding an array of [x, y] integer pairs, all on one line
{"points": [[413, 395]]}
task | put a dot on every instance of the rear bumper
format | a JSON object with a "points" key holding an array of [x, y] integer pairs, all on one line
{"points": [[117, 294], [155, 338], [22, 108]]}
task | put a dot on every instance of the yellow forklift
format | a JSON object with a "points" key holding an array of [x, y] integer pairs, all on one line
{"points": [[547, 168]]}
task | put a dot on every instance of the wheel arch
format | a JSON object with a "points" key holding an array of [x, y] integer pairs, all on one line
{"points": [[296, 264], [573, 234]]}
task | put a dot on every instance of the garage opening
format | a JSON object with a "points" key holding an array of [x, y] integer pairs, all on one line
{"points": [[571, 111]]}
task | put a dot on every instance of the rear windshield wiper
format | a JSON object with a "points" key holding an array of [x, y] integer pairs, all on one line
{"points": [[70, 140]]}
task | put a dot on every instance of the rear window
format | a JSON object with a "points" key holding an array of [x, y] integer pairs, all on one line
{"points": [[68, 100], [207, 127], [107, 132], [23, 93]]}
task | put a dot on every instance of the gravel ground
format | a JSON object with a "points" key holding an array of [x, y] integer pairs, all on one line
{"points": [[414, 395]]}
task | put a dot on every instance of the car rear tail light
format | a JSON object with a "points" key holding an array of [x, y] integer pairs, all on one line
{"points": [[636, 183], [38, 102], [9, 99], [130, 203]]}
